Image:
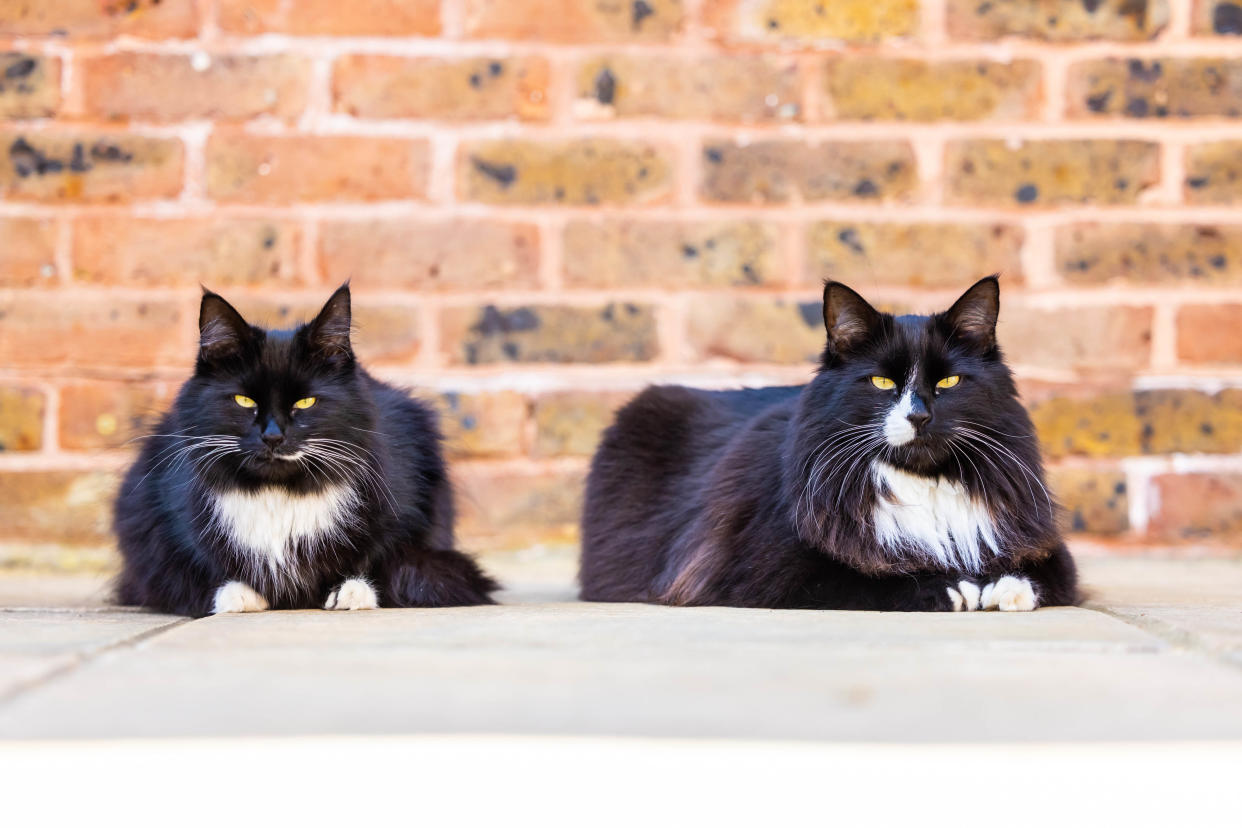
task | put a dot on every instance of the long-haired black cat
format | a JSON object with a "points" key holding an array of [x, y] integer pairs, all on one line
{"points": [[286, 477], [905, 476]]}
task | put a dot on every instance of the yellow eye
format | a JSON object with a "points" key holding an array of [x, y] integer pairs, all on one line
{"points": [[244, 401], [305, 402], [883, 383], [949, 382]]}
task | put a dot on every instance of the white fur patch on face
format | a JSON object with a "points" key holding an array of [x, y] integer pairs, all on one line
{"points": [[897, 428], [1010, 594], [931, 518], [268, 523], [353, 594], [237, 597]]}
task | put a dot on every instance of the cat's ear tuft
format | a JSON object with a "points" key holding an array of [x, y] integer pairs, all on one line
{"points": [[973, 316], [328, 333], [222, 333], [848, 317]]}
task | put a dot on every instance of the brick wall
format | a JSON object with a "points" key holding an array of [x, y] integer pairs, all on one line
{"points": [[546, 204]]}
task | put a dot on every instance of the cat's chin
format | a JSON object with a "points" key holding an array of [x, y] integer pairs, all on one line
{"points": [[926, 458]]}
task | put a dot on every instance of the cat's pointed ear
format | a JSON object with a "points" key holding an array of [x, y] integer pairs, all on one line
{"points": [[222, 332], [328, 333], [973, 316], [848, 317]]}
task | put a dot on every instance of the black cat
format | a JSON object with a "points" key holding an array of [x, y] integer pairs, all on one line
{"points": [[287, 477], [905, 476]]}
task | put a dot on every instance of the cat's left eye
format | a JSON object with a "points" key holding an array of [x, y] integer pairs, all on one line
{"points": [[949, 382], [305, 402], [244, 401]]}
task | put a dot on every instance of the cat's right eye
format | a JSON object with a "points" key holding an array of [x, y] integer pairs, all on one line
{"points": [[244, 401], [883, 383]]}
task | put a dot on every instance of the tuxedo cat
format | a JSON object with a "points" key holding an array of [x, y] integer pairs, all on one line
{"points": [[286, 477], [905, 476]]}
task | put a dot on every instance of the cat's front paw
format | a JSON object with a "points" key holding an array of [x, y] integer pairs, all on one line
{"points": [[964, 596], [237, 597], [1011, 593], [353, 594]]}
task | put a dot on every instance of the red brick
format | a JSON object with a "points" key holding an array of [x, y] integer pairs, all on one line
{"points": [[1214, 173], [21, 418], [1057, 20], [665, 254], [156, 87], [1210, 334], [873, 88], [617, 332], [761, 330], [88, 333], [569, 423], [56, 506], [465, 89], [383, 333], [1095, 501], [1093, 338], [29, 86], [573, 21], [56, 165], [924, 255], [153, 19], [798, 22], [391, 18], [216, 252], [1178, 254], [1217, 17], [777, 172], [503, 507], [274, 169], [1160, 88], [731, 88], [491, 424], [1196, 507], [461, 254], [103, 415], [27, 252]]}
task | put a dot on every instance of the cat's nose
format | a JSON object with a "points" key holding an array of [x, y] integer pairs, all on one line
{"points": [[272, 435], [919, 416]]}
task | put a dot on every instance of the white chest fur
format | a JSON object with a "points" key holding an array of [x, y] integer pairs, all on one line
{"points": [[270, 523], [931, 518]]}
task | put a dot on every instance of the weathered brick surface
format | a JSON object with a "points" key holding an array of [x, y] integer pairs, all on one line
{"points": [[1178, 421], [663, 254], [1101, 338], [570, 422], [27, 252], [491, 424], [749, 88], [216, 252], [275, 169], [21, 418], [101, 414], [383, 333], [1057, 20], [89, 333], [771, 330], [1217, 17], [89, 166], [1095, 253], [1050, 173], [1103, 425], [582, 172], [574, 20], [1095, 501], [29, 85], [222, 87], [56, 506], [379, 86], [799, 22], [430, 255], [386, 18], [777, 172], [1166, 88], [919, 90], [506, 508], [1214, 173], [1197, 507], [930, 255], [616, 332], [151, 19], [1210, 334]]}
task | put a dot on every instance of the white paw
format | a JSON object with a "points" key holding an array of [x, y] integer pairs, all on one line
{"points": [[1010, 594], [965, 598], [237, 597], [354, 594]]}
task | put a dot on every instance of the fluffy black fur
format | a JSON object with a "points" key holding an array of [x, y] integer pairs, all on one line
{"points": [[360, 432], [762, 498]]}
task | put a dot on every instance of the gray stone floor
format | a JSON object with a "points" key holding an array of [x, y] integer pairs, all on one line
{"points": [[1156, 654]]}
